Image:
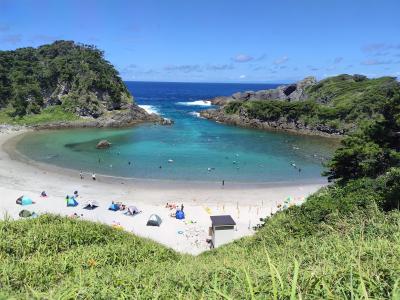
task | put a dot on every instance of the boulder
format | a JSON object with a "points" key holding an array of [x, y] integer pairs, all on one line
{"points": [[166, 122], [103, 144]]}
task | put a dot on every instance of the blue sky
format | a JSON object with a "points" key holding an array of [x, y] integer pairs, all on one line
{"points": [[218, 40]]}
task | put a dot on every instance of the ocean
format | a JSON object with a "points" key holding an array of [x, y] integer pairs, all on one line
{"points": [[193, 149]]}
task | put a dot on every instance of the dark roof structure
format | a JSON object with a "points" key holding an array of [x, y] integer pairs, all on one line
{"points": [[222, 220]]}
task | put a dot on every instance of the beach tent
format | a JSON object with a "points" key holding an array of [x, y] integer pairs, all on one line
{"points": [[154, 220], [133, 210], [72, 202], [114, 207], [24, 200], [25, 213], [180, 215], [91, 206]]}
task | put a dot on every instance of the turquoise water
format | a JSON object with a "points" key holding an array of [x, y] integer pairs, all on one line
{"points": [[201, 150]]}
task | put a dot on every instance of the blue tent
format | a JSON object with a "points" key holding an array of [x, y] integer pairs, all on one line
{"points": [[114, 207], [72, 202], [180, 215], [26, 201]]}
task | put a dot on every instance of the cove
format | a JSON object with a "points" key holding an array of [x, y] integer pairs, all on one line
{"points": [[193, 149]]}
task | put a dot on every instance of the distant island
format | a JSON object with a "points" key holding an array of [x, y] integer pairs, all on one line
{"points": [[65, 84], [334, 106]]}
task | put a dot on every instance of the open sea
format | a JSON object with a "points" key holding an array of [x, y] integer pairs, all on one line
{"points": [[193, 149]]}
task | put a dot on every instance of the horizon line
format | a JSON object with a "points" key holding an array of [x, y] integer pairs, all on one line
{"points": [[205, 82]]}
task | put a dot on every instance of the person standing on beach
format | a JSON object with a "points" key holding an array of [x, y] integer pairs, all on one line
{"points": [[81, 174], [94, 176], [223, 183]]}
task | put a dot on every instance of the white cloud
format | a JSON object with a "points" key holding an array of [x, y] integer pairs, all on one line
{"points": [[241, 58], [12, 39], [281, 60], [373, 62], [242, 76], [338, 60], [216, 67], [184, 68]]}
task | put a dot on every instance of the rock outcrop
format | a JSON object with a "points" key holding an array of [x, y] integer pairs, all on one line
{"points": [[290, 92], [118, 118], [243, 120], [103, 144]]}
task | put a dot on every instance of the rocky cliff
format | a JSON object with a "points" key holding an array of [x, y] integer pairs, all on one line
{"points": [[291, 92], [243, 119]]}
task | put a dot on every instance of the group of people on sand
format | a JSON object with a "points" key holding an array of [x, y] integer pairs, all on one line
{"points": [[118, 205], [82, 177], [172, 206], [178, 210]]}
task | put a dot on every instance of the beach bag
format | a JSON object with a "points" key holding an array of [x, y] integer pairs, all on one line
{"points": [[180, 215], [114, 207]]}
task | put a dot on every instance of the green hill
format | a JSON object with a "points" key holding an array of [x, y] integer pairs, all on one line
{"points": [[62, 81], [336, 105]]}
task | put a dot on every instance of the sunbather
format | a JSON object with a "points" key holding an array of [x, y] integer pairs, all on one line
{"points": [[170, 206]]}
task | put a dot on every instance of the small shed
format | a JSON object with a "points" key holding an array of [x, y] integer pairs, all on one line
{"points": [[222, 230]]}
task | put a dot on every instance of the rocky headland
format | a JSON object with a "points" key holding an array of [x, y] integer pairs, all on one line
{"points": [[65, 85], [331, 107]]}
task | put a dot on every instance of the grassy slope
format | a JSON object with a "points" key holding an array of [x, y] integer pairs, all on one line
{"points": [[342, 244], [48, 115], [341, 102]]}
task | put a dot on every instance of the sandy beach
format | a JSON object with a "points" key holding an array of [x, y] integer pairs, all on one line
{"points": [[245, 203]]}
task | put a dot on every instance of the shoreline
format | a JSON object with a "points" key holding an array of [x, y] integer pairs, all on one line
{"points": [[218, 116], [247, 204], [9, 147]]}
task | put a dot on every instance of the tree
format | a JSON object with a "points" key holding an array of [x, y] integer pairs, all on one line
{"points": [[373, 150]]}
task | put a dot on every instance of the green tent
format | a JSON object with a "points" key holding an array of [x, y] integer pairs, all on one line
{"points": [[25, 213], [154, 220]]}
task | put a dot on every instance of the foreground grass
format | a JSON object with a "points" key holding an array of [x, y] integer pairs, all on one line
{"points": [[338, 245], [48, 115]]}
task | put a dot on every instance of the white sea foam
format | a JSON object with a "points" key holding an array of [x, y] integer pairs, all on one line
{"points": [[151, 109], [195, 114], [195, 103]]}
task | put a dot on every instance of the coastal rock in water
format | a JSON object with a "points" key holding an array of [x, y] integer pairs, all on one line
{"points": [[103, 144], [166, 122]]}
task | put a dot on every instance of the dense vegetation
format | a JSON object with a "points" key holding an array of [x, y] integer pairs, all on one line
{"points": [[340, 103], [343, 242], [73, 76]]}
